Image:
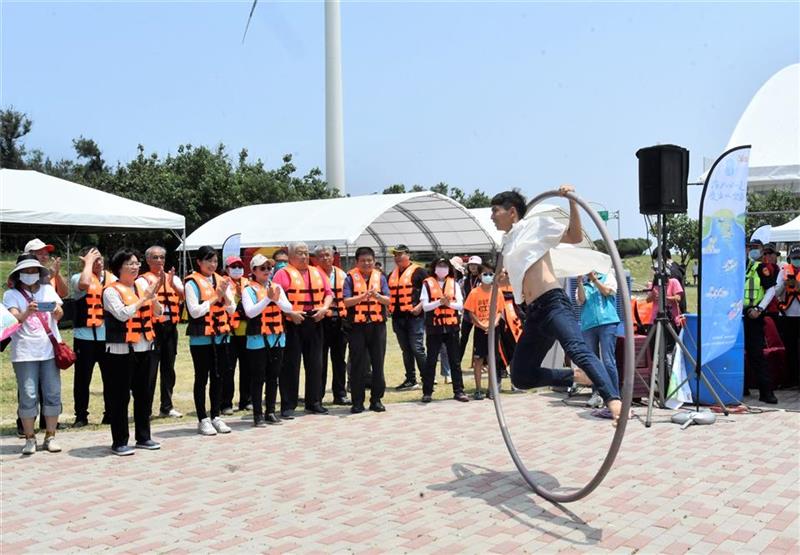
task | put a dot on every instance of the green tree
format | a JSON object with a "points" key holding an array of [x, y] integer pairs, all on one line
{"points": [[94, 167], [776, 200], [478, 199], [394, 189], [13, 127], [683, 236]]}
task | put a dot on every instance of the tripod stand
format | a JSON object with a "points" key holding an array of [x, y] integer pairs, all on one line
{"points": [[661, 327]]}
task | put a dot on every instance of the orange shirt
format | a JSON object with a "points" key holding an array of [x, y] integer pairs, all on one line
{"points": [[478, 304]]}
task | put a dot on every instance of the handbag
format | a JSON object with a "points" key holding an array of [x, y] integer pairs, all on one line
{"points": [[64, 355]]}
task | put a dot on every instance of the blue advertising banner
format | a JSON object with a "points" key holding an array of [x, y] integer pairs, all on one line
{"points": [[722, 260]]}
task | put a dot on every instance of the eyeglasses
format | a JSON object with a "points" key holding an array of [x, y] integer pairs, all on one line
{"points": [[237, 267], [262, 268], [132, 264], [158, 257]]}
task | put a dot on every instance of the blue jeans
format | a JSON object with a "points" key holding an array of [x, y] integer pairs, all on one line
{"points": [[550, 317], [410, 331], [32, 374], [602, 340], [444, 360]]}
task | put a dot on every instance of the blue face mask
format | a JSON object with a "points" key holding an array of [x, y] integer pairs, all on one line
{"points": [[281, 264], [754, 254], [488, 279], [795, 262]]}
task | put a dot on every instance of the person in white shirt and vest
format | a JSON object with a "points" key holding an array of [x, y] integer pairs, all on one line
{"points": [[170, 296], [366, 295], [526, 256], [334, 332], [758, 293]]}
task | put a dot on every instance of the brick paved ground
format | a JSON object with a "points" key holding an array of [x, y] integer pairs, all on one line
{"points": [[419, 478]]}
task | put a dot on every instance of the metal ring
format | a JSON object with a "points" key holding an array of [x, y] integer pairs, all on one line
{"points": [[627, 392]]}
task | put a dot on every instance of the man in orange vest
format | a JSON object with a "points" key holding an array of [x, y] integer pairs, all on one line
{"points": [[408, 322], [89, 333], [170, 296], [309, 292], [366, 294], [787, 290], [333, 330]]}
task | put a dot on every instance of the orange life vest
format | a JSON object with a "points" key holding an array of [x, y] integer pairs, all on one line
{"points": [[790, 290], [168, 297], [269, 321], [369, 310], [642, 312], [215, 321], [298, 293], [337, 285], [140, 324], [89, 308], [443, 316], [510, 314], [238, 315], [400, 287]]}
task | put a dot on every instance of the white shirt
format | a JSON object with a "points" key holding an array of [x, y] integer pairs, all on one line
{"points": [[113, 303], [428, 305], [30, 342], [525, 244], [253, 309]]}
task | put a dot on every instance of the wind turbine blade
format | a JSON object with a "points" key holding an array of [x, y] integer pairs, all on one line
{"points": [[252, 9]]}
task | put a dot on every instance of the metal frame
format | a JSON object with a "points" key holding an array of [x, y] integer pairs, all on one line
{"points": [[627, 393]]}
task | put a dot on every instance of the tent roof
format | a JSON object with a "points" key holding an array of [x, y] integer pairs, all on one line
{"points": [[771, 125], [786, 233], [33, 198], [484, 216], [423, 221]]}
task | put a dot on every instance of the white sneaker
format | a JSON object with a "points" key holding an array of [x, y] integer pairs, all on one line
{"points": [[595, 401], [50, 445], [220, 426], [30, 446], [175, 414], [205, 428], [448, 379]]}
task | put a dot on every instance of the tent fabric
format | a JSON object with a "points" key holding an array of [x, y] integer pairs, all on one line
{"points": [[771, 125], [786, 233], [33, 198], [423, 221]]}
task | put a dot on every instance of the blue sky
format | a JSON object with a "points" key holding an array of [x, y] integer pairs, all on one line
{"points": [[482, 94]]}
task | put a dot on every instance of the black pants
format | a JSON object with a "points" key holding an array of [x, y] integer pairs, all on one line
{"points": [[433, 344], [466, 329], [265, 366], [88, 353], [133, 373], [334, 341], [209, 362], [789, 328], [754, 351], [367, 349], [163, 361], [304, 341], [236, 352]]}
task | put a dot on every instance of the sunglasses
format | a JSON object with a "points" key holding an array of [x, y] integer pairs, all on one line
{"points": [[262, 268]]}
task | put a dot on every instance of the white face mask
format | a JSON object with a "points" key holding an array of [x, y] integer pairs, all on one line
{"points": [[29, 279], [236, 273], [442, 271], [487, 279]]}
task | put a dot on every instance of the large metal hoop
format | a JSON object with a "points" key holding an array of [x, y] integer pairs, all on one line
{"points": [[627, 393]]}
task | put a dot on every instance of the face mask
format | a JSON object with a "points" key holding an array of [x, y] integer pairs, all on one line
{"points": [[29, 279], [442, 271], [280, 264], [487, 279], [796, 262], [754, 254], [236, 273]]}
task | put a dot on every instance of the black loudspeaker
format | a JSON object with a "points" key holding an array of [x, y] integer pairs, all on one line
{"points": [[663, 179]]}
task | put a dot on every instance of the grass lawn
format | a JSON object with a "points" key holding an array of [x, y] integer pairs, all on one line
{"points": [[639, 267]]}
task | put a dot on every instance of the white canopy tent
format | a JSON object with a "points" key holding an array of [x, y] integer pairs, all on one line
{"points": [[771, 124], [786, 233], [423, 221]]}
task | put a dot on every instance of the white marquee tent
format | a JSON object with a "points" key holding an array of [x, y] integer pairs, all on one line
{"points": [[786, 233], [33, 198], [771, 124], [423, 221]]}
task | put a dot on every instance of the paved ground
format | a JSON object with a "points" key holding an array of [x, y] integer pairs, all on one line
{"points": [[423, 478]]}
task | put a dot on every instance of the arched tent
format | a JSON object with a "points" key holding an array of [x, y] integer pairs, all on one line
{"points": [[786, 233], [771, 124], [423, 221]]}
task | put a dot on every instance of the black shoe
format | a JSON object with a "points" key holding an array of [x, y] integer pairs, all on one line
{"points": [[768, 397], [427, 398], [317, 408], [259, 422], [80, 423], [106, 420], [272, 419], [406, 386], [461, 396], [287, 415], [377, 406], [148, 444], [342, 401], [356, 409], [478, 395]]}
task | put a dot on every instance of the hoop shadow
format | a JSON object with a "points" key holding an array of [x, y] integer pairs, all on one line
{"points": [[520, 501], [92, 452]]}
